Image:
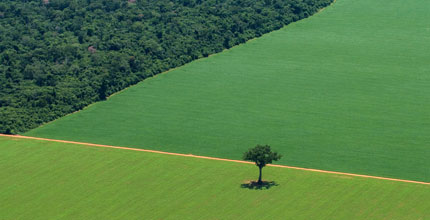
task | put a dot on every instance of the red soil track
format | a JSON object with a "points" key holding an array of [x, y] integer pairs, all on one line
{"points": [[214, 158]]}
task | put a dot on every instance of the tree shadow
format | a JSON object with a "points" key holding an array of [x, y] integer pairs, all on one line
{"points": [[255, 185]]}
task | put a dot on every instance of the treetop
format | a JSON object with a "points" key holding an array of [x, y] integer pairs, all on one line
{"points": [[261, 155]]}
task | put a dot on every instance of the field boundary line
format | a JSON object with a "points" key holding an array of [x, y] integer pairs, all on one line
{"points": [[214, 158]]}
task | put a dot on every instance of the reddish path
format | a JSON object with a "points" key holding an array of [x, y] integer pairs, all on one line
{"points": [[214, 158]]}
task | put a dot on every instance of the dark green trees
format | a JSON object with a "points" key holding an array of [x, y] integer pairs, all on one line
{"points": [[261, 155], [57, 56]]}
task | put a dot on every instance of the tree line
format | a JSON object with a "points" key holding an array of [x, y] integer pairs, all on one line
{"points": [[58, 56]]}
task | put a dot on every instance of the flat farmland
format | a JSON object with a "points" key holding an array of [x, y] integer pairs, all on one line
{"points": [[344, 90], [49, 180]]}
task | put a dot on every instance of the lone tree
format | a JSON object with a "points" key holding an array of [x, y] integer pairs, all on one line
{"points": [[261, 155]]}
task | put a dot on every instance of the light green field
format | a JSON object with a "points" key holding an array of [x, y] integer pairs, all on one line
{"points": [[47, 180], [346, 90]]}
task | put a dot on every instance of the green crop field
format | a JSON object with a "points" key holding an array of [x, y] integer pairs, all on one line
{"points": [[48, 180], [344, 90]]}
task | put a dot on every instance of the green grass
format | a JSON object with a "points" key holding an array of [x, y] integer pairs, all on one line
{"points": [[47, 180], [345, 90]]}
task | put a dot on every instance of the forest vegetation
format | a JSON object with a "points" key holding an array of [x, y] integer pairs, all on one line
{"points": [[58, 56]]}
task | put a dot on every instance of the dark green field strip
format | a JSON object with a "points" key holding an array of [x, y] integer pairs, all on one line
{"points": [[49, 180], [345, 90]]}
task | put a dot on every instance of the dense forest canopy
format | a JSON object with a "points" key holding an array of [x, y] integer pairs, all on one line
{"points": [[58, 56]]}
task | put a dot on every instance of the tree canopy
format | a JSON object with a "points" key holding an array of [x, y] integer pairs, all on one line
{"points": [[261, 155], [58, 56]]}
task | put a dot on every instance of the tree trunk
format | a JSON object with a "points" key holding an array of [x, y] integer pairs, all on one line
{"points": [[259, 177]]}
